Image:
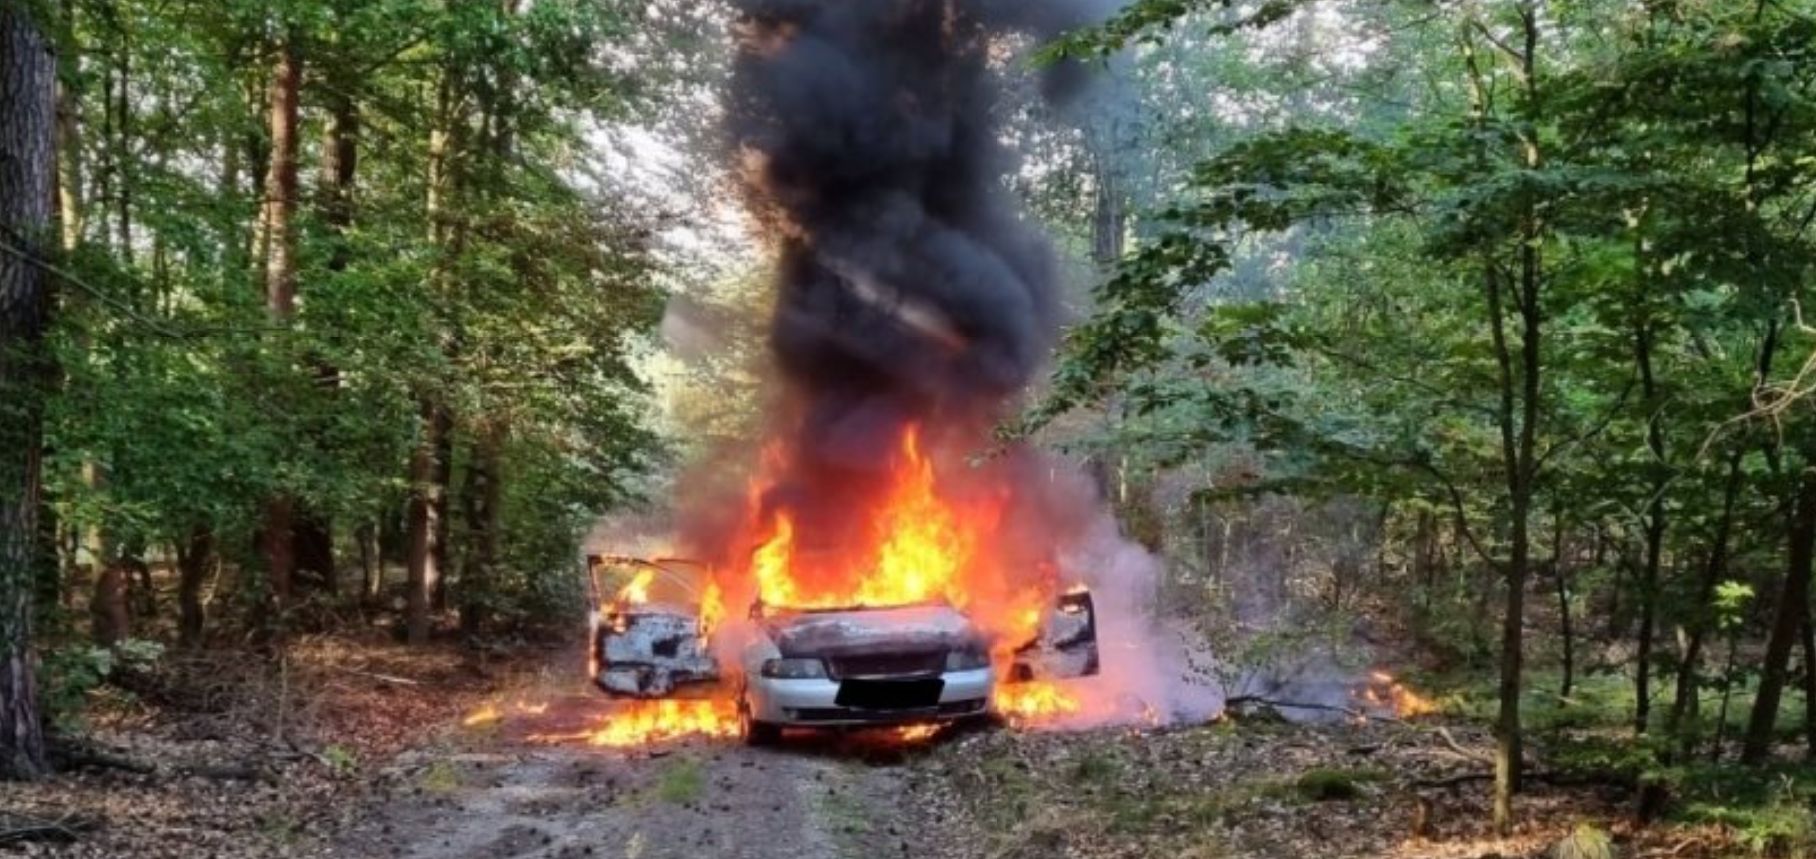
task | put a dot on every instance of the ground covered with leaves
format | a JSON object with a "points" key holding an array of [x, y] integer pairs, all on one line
{"points": [[348, 748], [1258, 787], [237, 754]]}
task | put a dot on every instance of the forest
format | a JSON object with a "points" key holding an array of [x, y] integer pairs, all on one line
{"points": [[1450, 354]]}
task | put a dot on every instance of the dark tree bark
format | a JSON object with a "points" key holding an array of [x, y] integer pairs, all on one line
{"points": [[1809, 685], [422, 528], [194, 557], [277, 540], [1655, 534], [1683, 704], [1792, 608], [480, 505], [1560, 571], [110, 621], [27, 166], [444, 478]]}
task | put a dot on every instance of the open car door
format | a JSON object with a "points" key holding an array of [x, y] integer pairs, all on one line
{"points": [[646, 639], [1067, 644]]}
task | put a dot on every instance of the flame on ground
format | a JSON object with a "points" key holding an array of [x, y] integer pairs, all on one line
{"points": [[483, 716], [1383, 692], [646, 722], [1033, 702]]}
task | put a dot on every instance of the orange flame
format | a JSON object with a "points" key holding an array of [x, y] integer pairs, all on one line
{"points": [[482, 716], [646, 722], [921, 542], [637, 591], [1036, 701], [1383, 692]]}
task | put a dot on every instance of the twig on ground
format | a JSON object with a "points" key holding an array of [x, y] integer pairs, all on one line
{"points": [[387, 678]]}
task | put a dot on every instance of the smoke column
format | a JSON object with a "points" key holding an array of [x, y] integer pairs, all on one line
{"points": [[911, 291], [910, 287]]}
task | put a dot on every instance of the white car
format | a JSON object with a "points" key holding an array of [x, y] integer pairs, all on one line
{"points": [[862, 666]]}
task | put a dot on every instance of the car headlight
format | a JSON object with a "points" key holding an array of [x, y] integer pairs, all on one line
{"points": [[967, 659], [794, 669]]}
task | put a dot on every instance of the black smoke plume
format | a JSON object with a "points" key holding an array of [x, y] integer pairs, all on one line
{"points": [[911, 288]]}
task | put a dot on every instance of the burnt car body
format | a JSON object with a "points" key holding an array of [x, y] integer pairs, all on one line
{"points": [[650, 649], [836, 668]]}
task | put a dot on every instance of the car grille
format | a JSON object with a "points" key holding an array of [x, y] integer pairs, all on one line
{"points": [[949, 710], [888, 665]]}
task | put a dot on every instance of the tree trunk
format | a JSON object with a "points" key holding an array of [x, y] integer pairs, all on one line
{"points": [[1655, 536], [371, 561], [123, 165], [480, 504], [425, 505], [277, 542], [27, 166], [1521, 458], [1792, 607], [1684, 702], [1809, 686], [444, 478], [194, 556], [69, 144], [1109, 220], [1561, 572], [110, 621]]}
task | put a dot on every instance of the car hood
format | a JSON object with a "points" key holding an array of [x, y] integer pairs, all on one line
{"points": [[864, 631]]}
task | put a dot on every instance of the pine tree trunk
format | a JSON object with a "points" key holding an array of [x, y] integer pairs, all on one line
{"points": [[1792, 607], [27, 167]]}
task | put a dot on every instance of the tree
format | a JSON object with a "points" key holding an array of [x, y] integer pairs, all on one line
{"points": [[27, 167]]}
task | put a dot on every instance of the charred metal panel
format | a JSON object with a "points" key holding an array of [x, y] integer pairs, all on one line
{"points": [[1067, 644], [645, 654]]}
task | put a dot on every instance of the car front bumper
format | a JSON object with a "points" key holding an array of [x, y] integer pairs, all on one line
{"points": [[819, 702]]}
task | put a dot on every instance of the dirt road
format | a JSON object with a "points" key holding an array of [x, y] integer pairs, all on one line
{"points": [[492, 791]]}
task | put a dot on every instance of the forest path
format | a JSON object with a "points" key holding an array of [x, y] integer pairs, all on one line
{"points": [[493, 790]]}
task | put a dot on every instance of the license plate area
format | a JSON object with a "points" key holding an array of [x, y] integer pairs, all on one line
{"points": [[890, 694]]}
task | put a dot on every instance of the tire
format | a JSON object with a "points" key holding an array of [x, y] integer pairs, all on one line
{"points": [[756, 734]]}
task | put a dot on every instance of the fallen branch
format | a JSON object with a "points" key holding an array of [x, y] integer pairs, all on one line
{"points": [[75, 756], [1556, 778], [63, 830], [1442, 733], [224, 772]]}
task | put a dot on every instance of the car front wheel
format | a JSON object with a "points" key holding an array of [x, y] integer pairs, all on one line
{"points": [[756, 733]]}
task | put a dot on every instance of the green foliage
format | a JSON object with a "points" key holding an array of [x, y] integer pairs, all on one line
{"points": [[519, 302], [71, 672], [681, 782], [1331, 785]]}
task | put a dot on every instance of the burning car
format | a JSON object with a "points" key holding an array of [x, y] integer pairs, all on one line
{"points": [[819, 667], [862, 666]]}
